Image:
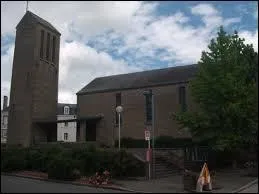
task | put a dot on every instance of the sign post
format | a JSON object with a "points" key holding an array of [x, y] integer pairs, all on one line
{"points": [[147, 138]]}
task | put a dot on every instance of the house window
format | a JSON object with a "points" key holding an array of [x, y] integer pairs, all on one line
{"points": [[66, 124], [41, 43], [65, 136], [48, 44], [53, 49], [5, 118], [118, 103], [4, 133], [66, 110], [148, 108], [182, 98]]}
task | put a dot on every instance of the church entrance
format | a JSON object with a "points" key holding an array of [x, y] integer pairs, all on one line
{"points": [[90, 132]]}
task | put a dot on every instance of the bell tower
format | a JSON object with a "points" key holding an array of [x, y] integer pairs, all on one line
{"points": [[34, 83]]}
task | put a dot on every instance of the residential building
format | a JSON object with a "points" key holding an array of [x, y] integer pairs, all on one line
{"points": [[66, 131], [4, 120], [98, 100]]}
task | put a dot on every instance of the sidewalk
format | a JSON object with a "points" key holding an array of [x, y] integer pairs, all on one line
{"points": [[226, 182], [171, 184]]}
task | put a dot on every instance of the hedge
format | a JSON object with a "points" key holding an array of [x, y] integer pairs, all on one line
{"points": [[160, 142], [68, 164]]}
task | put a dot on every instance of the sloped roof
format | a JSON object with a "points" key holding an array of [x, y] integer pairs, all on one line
{"points": [[34, 18], [142, 79], [72, 111]]}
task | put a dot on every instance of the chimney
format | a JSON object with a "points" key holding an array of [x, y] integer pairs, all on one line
{"points": [[5, 102]]}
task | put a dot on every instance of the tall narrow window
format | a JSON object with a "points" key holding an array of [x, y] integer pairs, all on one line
{"points": [[118, 103], [41, 43], [66, 110], [182, 98], [65, 136], [53, 49], [48, 44], [149, 108]]}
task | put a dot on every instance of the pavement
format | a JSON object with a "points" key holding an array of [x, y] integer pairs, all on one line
{"points": [[227, 181], [172, 184], [13, 184], [224, 182], [251, 189]]}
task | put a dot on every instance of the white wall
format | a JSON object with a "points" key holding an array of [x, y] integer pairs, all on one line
{"points": [[4, 126], [70, 129]]}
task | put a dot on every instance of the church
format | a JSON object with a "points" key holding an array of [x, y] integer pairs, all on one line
{"points": [[34, 82], [148, 98]]}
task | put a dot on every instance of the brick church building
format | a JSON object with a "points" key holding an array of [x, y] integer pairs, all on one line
{"points": [[34, 94], [34, 83], [98, 100]]}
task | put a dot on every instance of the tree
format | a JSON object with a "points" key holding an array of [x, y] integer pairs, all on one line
{"points": [[225, 91]]}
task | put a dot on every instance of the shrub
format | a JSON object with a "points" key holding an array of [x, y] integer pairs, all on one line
{"points": [[125, 165], [128, 142], [63, 168], [68, 164], [160, 142], [36, 160], [170, 142], [13, 159]]}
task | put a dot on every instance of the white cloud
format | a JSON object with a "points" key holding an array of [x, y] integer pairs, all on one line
{"points": [[6, 70], [130, 29], [250, 38], [80, 64], [204, 9]]}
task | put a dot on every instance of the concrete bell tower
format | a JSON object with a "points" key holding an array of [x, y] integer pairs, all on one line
{"points": [[34, 84]]}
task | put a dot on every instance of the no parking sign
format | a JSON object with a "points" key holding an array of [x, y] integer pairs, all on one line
{"points": [[147, 135]]}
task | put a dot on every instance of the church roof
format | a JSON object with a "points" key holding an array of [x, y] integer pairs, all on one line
{"points": [[151, 78], [34, 18]]}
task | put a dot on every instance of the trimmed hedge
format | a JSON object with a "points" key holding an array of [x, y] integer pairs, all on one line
{"points": [[160, 142], [13, 159], [63, 168], [68, 164]]}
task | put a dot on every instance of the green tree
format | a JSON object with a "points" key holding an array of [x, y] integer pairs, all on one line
{"points": [[225, 91]]}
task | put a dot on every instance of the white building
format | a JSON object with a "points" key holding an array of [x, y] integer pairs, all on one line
{"points": [[66, 131], [4, 120]]}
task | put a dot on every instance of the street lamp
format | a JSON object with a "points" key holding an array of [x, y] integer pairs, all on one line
{"points": [[119, 110]]}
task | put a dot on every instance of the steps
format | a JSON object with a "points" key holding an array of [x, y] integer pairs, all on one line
{"points": [[167, 163]]}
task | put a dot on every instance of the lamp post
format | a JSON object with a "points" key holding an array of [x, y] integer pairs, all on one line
{"points": [[119, 110]]}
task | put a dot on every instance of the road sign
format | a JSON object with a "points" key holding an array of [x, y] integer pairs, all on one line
{"points": [[147, 135]]}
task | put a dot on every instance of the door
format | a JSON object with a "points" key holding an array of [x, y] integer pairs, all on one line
{"points": [[90, 134]]}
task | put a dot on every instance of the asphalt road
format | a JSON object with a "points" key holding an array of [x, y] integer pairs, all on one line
{"points": [[11, 184], [252, 189]]}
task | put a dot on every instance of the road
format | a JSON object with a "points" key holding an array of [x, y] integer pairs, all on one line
{"points": [[252, 189], [12, 184]]}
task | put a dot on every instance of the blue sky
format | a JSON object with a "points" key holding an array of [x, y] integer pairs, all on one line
{"points": [[107, 38]]}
